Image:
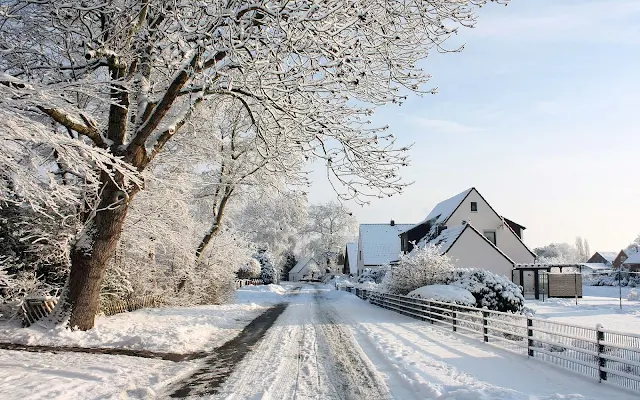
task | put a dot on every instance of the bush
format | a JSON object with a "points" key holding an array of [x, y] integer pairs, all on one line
{"points": [[422, 267], [250, 270], [446, 294], [372, 275], [495, 292], [633, 295]]}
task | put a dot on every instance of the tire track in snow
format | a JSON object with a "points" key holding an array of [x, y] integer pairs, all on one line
{"points": [[355, 374]]}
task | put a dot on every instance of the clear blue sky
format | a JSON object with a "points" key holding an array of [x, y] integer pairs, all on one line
{"points": [[540, 113]]}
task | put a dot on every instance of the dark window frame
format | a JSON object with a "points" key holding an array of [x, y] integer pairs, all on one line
{"points": [[495, 236], [474, 206]]}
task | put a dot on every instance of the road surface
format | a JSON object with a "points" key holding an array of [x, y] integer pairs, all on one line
{"points": [[332, 345]]}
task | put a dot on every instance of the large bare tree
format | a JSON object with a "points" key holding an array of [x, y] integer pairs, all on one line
{"points": [[124, 76]]}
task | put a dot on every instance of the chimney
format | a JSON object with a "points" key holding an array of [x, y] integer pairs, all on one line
{"points": [[393, 223]]}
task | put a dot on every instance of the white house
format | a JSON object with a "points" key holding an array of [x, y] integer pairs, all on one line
{"points": [[306, 268], [472, 233], [351, 259], [379, 244]]}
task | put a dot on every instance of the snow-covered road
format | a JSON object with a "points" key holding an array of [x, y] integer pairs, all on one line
{"points": [[332, 345]]}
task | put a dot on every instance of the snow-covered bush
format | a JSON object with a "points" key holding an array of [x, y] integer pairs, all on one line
{"points": [[612, 279], [250, 270], [423, 266], [445, 293], [372, 275], [633, 295], [490, 290]]}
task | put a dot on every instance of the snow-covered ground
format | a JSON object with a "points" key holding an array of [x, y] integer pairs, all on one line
{"points": [[599, 305], [326, 345], [169, 330], [331, 345]]}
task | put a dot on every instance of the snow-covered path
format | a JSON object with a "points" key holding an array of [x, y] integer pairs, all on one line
{"points": [[332, 345]]}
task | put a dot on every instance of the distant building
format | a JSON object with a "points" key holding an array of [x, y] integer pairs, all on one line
{"points": [[379, 244], [472, 233], [632, 263], [602, 257], [306, 269], [351, 259]]}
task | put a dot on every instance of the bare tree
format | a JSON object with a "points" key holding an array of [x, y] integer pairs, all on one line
{"points": [[124, 76], [331, 226]]}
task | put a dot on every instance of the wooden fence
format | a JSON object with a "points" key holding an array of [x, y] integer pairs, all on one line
{"points": [[602, 354], [116, 306]]}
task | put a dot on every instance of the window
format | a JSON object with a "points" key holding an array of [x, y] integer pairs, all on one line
{"points": [[474, 206], [491, 235]]}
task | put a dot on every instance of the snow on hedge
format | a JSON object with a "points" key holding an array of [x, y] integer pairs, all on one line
{"points": [[490, 290], [445, 293]]}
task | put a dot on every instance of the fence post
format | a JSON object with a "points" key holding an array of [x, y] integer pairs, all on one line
{"points": [[485, 329], [529, 337], [429, 312], [454, 315], [602, 362]]}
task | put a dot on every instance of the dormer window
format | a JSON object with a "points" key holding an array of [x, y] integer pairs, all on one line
{"points": [[474, 206]]}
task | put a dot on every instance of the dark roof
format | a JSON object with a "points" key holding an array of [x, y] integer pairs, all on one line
{"points": [[513, 223]]}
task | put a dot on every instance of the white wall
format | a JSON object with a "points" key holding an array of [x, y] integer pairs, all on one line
{"points": [[360, 260], [472, 251], [486, 219]]}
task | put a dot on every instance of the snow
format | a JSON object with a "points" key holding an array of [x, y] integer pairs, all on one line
{"points": [[352, 254], [610, 256], [443, 210], [445, 293], [78, 376], [168, 330], [596, 266], [634, 258], [300, 265], [381, 243], [446, 238], [599, 305], [326, 344], [331, 344]]}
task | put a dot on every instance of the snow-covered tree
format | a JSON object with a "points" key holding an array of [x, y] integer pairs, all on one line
{"points": [[330, 226], [122, 78], [249, 270], [289, 261], [268, 272], [274, 218], [582, 249], [557, 253], [242, 164], [634, 246], [423, 266]]}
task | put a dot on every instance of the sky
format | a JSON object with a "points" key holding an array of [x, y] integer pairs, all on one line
{"points": [[540, 112]]}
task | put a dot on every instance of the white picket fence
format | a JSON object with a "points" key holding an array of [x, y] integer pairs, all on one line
{"points": [[603, 354]]}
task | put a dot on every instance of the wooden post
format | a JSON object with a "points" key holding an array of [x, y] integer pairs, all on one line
{"points": [[485, 329], [602, 362], [529, 337], [454, 315]]}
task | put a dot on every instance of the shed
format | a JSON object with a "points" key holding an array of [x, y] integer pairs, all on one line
{"points": [[306, 269]]}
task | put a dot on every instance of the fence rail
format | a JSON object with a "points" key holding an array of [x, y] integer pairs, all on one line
{"points": [[248, 282], [603, 354]]}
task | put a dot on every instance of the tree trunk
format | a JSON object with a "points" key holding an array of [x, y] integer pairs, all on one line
{"points": [[90, 257]]}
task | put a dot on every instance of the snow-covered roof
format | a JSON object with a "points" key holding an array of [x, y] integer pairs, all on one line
{"points": [[443, 210], [634, 258], [596, 266], [608, 255], [381, 243], [446, 238], [300, 265], [352, 253]]}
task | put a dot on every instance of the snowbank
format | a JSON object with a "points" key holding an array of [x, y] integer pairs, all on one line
{"points": [[445, 293], [170, 330]]}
